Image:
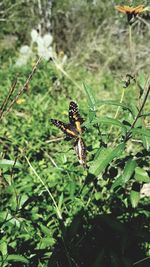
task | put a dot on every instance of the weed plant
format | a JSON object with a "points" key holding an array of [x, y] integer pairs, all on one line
{"points": [[54, 212]]}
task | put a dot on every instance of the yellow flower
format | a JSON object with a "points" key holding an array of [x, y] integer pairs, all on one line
{"points": [[132, 10], [20, 101]]}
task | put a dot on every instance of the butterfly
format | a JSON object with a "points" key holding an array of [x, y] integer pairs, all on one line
{"points": [[80, 149], [73, 130]]}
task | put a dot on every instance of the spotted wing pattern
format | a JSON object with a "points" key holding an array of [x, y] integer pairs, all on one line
{"points": [[66, 128], [80, 149], [73, 130], [74, 117]]}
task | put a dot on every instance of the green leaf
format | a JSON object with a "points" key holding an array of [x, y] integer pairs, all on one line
{"points": [[145, 115], [141, 175], [5, 163], [46, 242], [17, 258], [127, 173], [103, 157], [3, 247], [98, 195], [98, 152], [134, 109], [142, 131], [45, 230], [61, 199], [128, 170], [113, 103], [90, 96], [134, 198], [4, 215], [146, 142], [117, 182], [141, 79], [107, 120], [71, 187], [91, 116], [22, 200]]}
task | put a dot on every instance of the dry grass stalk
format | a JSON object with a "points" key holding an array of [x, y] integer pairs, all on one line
{"points": [[22, 89]]}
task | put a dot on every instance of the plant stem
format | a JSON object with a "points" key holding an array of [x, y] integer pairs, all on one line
{"points": [[5, 102], [138, 115], [59, 67], [24, 86], [118, 109], [121, 100], [141, 260], [40, 179], [131, 48]]}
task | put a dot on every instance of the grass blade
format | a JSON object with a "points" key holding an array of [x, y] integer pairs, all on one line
{"points": [[91, 98]]}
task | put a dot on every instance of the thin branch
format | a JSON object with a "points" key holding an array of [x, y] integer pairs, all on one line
{"points": [[59, 67], [54, 140], [24, 86], [135, 263], [138, 115], [5, 102], [52, 160]]}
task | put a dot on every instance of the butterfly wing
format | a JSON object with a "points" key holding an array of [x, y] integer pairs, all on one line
{"points": [[74, 117], [66, 128], [80, 149]]}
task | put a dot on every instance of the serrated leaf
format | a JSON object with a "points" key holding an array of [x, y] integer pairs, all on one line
{"points": [[127, 173], [104, 157], [17, 258], [90, 96], [5, 163], [134, 198], [141, 175]]}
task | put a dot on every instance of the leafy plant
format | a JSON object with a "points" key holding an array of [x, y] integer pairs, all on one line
{"points": [[54, 212]]}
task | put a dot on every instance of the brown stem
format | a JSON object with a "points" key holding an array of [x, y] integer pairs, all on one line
{"points": [[138, 115], [5, 102], [24, 86]]}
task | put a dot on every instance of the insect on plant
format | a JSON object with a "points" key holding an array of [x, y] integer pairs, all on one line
{"points": [[73, 130]]}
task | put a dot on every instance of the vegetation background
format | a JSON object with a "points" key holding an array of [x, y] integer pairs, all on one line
{"points": [[54, 212]]}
